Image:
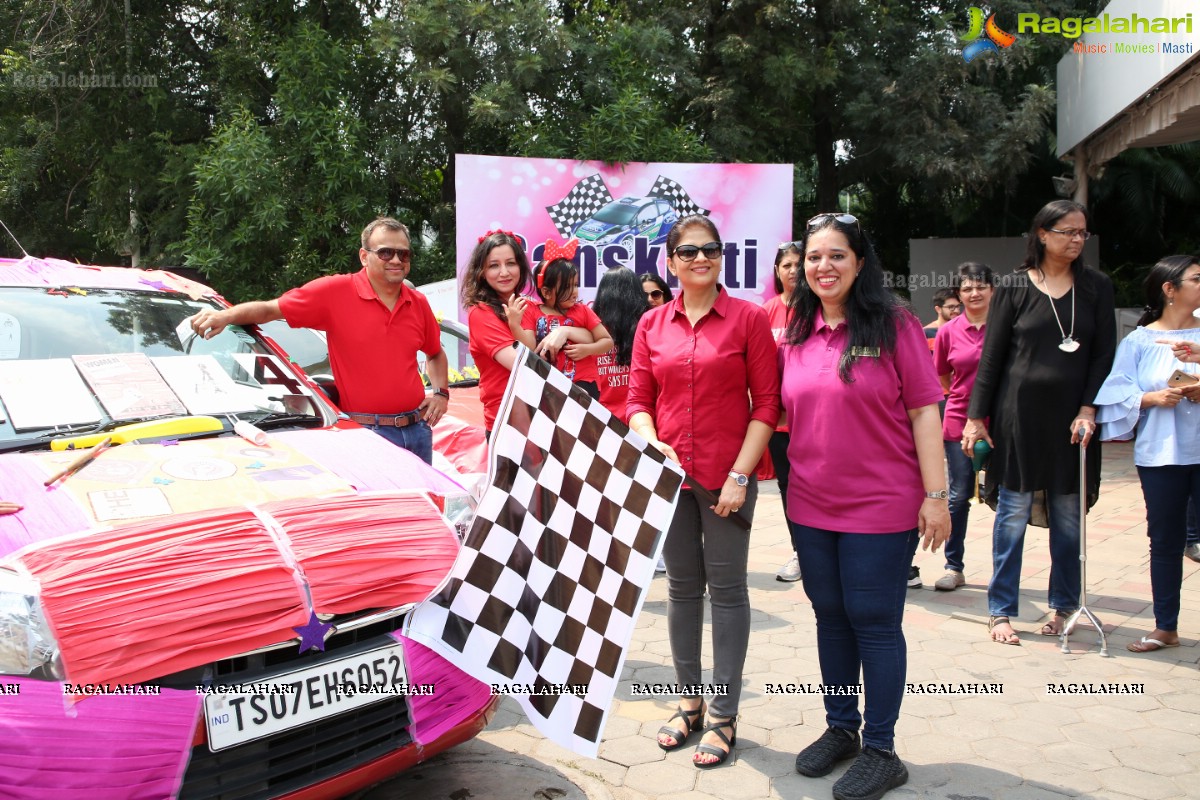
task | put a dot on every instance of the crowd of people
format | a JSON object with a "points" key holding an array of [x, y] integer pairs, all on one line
{"points": [[838, 380]]}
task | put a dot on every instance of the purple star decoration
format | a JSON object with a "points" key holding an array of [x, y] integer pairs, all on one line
{"points": [[312, 634]]}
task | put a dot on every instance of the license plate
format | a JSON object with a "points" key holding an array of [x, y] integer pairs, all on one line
{"points": [[239, 713]]}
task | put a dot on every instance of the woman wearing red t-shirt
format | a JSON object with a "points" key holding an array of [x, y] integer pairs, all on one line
{"points": [[497, 274], [704, 390], [620, 303], [787, 273]]}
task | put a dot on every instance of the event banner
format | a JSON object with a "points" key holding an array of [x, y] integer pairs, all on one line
{"points": [[621, 213]]}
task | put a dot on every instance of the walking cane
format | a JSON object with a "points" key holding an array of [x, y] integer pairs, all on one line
{"points": [[1083, 610]]}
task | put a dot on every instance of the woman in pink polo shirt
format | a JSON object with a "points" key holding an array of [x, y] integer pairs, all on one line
{"points": [[868, 482], [704, 390], [956, 350], [498, 272]]}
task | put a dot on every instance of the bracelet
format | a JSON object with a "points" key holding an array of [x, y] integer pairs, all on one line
{"points": [[442, 393]]}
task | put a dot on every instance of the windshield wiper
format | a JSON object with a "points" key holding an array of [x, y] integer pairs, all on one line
{"points": [[284, 419]]}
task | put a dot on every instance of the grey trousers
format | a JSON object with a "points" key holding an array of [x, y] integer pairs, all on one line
{"points": [[701, 550]]}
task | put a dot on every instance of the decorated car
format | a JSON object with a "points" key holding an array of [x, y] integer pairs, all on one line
{"points": [[203, 590]]}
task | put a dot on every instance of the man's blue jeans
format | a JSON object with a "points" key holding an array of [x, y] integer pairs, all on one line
{"points": [[962, 486], [416, 438], [857, 584], [1008, 542]]}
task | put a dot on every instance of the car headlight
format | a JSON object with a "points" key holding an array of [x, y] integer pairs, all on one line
{"points": [[26, 644]]}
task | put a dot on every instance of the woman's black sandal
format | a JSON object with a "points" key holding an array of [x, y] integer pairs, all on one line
{"points": [[693, 719], [713, 750]]}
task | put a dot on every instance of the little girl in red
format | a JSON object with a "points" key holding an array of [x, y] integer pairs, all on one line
{"points": [[564, 331]]}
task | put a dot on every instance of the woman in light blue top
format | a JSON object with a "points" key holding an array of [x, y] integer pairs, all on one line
{"points": [[1140, 398]]}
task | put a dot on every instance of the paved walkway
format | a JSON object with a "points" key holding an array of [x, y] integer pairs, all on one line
{"points": [[1024, 743]]}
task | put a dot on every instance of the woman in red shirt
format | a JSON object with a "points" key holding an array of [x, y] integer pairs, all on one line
{"points": [[620, 304], [787, 273], [704, 390], [496, 276]]}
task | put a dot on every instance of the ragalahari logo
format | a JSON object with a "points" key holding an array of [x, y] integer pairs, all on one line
{"points": [[994, 37]]}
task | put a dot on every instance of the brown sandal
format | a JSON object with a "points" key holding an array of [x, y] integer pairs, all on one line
{"points": [[993, 622]]}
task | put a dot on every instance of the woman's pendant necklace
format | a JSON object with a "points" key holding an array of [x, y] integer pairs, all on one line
{"points": [[1069, 343]]}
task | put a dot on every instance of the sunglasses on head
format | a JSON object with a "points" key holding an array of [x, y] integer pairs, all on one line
{"points": [[836, 216], [388, 253], [655, 294], [688, 252]]}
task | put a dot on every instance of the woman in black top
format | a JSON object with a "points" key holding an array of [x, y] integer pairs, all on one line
{"points": [[1049, 346]]}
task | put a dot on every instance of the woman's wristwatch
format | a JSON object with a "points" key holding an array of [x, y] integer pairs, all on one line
{"points": [[442, 392], [740, 478], [940, 494]]}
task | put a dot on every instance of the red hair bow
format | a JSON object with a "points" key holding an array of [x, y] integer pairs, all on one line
{"points": [[555, 250]]}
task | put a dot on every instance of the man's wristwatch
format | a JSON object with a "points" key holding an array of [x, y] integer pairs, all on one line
{"points": [[741, 478], [940, 494], [442, 392]]}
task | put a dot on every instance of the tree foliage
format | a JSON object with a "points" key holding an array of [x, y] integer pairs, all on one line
{"points": [[261, 136]]}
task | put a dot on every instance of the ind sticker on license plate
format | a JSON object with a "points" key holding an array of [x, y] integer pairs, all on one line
{"points": [[239, 713]]}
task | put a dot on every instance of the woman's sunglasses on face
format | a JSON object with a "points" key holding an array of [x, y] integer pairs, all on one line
{"points": [[656, 294], [688, 252]]}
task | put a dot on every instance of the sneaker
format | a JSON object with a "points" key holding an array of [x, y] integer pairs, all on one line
{"points": [[871, 775], [820, 757], [1192, 551], [789, 572], [661, 567], [950, 581], [914, 578]]}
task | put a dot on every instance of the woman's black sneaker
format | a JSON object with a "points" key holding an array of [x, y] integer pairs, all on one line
{"points": [[820, 757], [871, 775]]}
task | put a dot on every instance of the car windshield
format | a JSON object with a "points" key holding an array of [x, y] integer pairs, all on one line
{"points": [[616, 214], [77, 361]]}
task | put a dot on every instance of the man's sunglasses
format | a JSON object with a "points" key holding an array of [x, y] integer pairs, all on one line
{"points": [[388, 253], [688, 252], [655, 295]]}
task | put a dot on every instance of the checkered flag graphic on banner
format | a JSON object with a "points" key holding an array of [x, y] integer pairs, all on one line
{"points": [[543, 598], [585, 198], [674, 193]]}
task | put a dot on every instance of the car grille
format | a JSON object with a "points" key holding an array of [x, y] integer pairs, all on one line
{"points": [[291, 760]]}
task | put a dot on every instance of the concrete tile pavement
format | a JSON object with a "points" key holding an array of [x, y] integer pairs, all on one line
{"points": [[1023, 744]]}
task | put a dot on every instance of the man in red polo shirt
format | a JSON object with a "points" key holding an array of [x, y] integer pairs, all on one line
{"points": [[375, 325]]}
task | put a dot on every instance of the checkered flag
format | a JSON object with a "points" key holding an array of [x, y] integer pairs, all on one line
{"points": [[543, 598], [674, 193], [585, 198]]}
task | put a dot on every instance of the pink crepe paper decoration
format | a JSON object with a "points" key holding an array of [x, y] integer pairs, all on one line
{"points": [[374, 551], [47, 513], [144, 601], [456, 694], [367, 461], [113, 747]]}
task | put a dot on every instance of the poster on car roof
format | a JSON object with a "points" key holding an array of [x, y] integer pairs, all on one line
{"points": [[621, 213]]}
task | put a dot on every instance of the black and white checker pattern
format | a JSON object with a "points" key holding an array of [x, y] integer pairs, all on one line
{"points": [[585, 198], [674, 193], [551, 578]]}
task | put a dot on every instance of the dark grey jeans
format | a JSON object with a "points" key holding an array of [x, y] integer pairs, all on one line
{"points": [[702, 550]]}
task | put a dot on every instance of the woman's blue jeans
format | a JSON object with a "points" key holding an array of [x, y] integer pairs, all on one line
{"points": [[1008, 542], [1168, 491], [857, 584], [962, 487]]}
